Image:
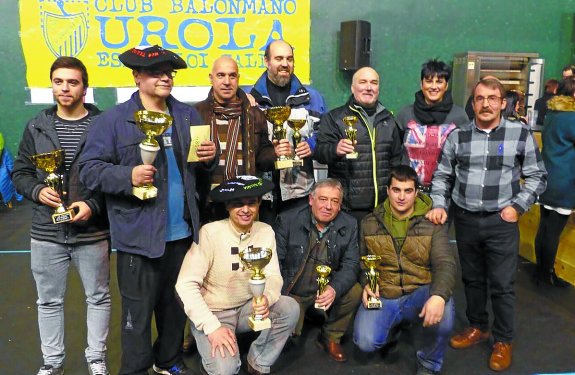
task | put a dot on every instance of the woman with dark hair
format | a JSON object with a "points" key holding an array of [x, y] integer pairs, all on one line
{"points": [[558, 201], [510, 113]]}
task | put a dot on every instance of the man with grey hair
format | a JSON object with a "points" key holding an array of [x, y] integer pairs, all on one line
{"points": [[320, 234], [378, 145]]}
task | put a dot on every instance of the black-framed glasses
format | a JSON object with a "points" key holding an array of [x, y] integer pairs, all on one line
{"points": [[160, 73], [491, 99]]}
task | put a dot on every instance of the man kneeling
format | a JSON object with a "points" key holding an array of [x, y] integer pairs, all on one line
{"points": [[214, 289], [416, 272]]}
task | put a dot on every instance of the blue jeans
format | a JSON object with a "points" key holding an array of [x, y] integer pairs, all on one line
{"points": [[50, 263], [264, 350], [372, 327]]}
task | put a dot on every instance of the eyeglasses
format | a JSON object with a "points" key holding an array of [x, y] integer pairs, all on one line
{"points": [[492, 99], [160, 73]]}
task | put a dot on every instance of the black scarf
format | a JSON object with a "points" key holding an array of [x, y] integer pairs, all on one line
{"points": [[433, 114]]}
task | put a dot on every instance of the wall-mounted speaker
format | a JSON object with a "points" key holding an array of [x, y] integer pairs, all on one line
{"points": [[355, 45]]}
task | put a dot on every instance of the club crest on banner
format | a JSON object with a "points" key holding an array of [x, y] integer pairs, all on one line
{"points": [[65, 26]]}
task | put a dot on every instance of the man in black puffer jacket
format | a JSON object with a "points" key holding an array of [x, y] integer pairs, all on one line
{"points": [[378, 145]]}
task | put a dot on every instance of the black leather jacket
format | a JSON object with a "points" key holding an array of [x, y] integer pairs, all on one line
{"points": [[292, 230]]}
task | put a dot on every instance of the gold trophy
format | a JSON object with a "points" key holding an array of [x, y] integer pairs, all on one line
{"points": [[371, 261], [323, 272], [277, 116], [152, 124], [296, 124], [351, 133], [49, 162], [255, 259]]}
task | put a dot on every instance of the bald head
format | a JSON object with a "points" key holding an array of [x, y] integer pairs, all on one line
{"points": [[279, 62], [365, 87], [225, 79]]}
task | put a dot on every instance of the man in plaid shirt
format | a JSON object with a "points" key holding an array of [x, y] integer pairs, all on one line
{"points": [[480, 168]]}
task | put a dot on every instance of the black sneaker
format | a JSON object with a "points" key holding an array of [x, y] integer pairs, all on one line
{"points": [[177, 369], [50, 370]]}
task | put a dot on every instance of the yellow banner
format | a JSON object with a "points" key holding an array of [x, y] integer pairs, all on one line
{"points": [[98, 31]]}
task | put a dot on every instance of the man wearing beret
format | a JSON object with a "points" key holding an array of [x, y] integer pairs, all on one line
{"points": [[152, 235], [214, 287]]}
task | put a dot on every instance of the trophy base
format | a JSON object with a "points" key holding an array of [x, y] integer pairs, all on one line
{"points": [[352, 155], [145, 192], [259, 324], [297, 163], [319, 307], [63, 217], [283, 164], [373, 304]]}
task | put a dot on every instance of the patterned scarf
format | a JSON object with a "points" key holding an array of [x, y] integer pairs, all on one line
{"points": [[230, 113]]}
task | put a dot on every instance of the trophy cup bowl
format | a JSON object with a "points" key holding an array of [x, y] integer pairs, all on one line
{"points": [[296, 124], [255, 259], [49, 162], [152, 124], [371, 261], [351, 134], [323, 272], [277, 116]]}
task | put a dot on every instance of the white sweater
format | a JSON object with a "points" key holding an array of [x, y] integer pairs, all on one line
{"points": [[208, 282]]}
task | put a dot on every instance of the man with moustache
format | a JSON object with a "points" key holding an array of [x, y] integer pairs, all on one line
{"points": [[480, 169], [279, 86], [378, 145], [214, 287], [84, 241], [153, 235], [428, 121], [320, 234], [239, 130]]}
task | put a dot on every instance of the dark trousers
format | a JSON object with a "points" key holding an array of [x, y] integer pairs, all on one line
{"points": [[551, 224], [147, 287], [337, 318], [488, 249]]}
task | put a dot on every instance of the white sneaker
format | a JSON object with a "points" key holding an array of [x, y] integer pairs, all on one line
{"points": [[50, 370], [98, 367]]}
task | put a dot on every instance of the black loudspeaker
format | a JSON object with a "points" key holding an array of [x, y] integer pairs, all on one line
{"points": [[355, 45]]}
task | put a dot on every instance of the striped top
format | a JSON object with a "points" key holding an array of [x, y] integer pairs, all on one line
{"points": [[485, 169], [219, 172], [69, 134]]}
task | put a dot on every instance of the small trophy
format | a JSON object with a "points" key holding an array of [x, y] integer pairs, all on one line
{"points": [[371, 261], [322, 281], [49, 162], [351, 133], [255, 259], [151, 124], [296, 124], [277, 116]]}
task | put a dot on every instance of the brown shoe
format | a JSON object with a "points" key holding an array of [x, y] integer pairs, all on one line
{"points": [[334, 349], [253, 371], [469, 337], [500, 356]]}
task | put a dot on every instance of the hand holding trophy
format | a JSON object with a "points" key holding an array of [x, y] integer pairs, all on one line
{"points": [[351, 134], [277, 116], [371, 261], [255, 259], [323, 272], [49, 162], [151, 124], [296, 124]]}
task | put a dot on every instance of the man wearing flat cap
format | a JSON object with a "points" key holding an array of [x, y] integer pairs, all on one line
{"points": [[151, 235], [214, 288]]}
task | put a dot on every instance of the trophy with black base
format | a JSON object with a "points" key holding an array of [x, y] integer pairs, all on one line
{"points": [[152, 124], [277, 116], [49, 162], [296, 124], [255, 259]]}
